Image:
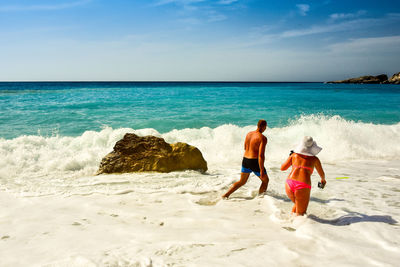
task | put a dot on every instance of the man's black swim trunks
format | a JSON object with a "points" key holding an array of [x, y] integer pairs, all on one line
{"points": [[251, 165]]}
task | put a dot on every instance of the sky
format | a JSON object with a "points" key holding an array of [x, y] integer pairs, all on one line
{"points": [[197, 40]]}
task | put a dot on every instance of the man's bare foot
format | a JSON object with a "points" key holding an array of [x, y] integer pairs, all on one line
{"points": [[261, 195]]}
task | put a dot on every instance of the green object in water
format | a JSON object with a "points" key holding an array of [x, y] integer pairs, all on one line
{"points": [[345, 177]]}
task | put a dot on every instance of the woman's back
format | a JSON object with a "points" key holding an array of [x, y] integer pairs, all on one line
{"points": [[302, 167]]}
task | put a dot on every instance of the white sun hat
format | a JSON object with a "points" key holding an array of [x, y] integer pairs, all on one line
{"points": [[308, 147]]}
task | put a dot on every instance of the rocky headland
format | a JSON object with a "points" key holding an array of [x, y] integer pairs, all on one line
{"points": [[149, 153], [395, 78], [379, 79]]}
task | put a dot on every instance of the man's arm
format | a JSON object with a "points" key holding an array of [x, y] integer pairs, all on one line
{"points": [[261, 154]]}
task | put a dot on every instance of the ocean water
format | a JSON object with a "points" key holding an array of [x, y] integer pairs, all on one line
{"points": [[70, 109], [54, 135]]}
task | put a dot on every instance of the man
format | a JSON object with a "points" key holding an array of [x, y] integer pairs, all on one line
{"points": [[253, 159]]}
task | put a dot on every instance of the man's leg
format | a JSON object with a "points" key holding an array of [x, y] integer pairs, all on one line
{"points": [[235, 186], [264, 183]]}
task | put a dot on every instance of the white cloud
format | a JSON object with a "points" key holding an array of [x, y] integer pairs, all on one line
{"points": [[341, 26], [227, 2], [214, 16], [387, 44], [177, 2], [44, 7], [217, 17], [263, 36], [260, 30], [193, 13], [303, 9], [190, 21], [317, 29], [338, 16]]}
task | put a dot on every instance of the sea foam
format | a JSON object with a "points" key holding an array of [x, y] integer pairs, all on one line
{"points": [[341, 140]]}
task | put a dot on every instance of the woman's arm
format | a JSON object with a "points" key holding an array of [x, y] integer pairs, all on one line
{"points": [[321, 172], [287, 164]]}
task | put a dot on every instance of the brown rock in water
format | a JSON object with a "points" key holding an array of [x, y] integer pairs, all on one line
{"points": [[395, 78], [149, 153], [365, 79]]}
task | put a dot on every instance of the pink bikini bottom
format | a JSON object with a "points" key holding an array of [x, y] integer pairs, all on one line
{"points": [[296, 185]]}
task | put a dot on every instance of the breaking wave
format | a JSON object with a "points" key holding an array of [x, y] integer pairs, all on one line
{"points": [[222, 147]]}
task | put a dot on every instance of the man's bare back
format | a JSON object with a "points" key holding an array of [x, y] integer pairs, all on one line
{"points": [[253, 143]]}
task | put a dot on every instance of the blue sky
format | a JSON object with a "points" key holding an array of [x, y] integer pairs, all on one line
{"points": [[222, 40]]}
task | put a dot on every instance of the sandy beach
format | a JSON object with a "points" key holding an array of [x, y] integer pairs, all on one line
{"points": [[349, 223]]}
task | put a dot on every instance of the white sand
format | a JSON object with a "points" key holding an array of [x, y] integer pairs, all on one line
{"points": [[350, 223]]}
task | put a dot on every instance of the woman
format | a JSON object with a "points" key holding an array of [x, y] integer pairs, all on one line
{"points": [[298, 184]]}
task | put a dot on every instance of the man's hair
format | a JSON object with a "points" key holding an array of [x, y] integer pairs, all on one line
{"points": [[261, 124]]}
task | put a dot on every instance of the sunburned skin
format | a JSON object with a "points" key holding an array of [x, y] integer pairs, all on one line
{"points": [[302, 168], [254, 148], [255, 141]]}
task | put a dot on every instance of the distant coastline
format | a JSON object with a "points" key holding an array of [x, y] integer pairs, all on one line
{"points": [[379, 79]]}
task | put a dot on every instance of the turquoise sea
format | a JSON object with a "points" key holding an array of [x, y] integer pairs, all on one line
{"points": [[71, 108]]}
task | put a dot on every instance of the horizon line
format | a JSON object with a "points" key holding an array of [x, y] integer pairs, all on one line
{"points": [[124, 81]]}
